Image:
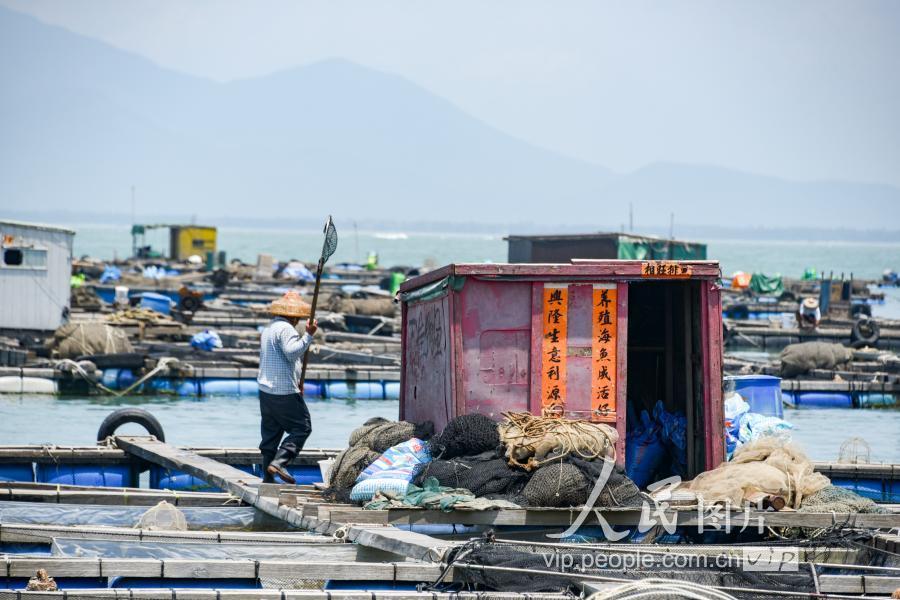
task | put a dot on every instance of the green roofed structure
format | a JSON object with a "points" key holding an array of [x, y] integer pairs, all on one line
{"points": [[563, 248]]}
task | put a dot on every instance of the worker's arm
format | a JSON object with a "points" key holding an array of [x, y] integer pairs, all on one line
{"points": [[293, 345]]}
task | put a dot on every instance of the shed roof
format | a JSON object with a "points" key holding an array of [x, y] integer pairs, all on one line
{"points": [[595, 236], [40, 226], [585, 269]]}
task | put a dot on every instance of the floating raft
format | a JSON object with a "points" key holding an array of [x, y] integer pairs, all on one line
{"points": [[334, 551]]}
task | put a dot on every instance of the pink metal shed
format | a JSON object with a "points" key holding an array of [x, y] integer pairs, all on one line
{"points": [[562, 339]]}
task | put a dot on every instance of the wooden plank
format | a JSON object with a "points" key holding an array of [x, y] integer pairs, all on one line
{"points": [[245, 487], [132, 497], [14, 532], [858, 584], [174, 568]]}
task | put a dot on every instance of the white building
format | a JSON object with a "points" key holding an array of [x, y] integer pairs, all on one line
{"points": [[35, 273]]}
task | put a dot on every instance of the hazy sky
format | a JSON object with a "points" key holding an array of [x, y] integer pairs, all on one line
{"points": [[802, 90]]}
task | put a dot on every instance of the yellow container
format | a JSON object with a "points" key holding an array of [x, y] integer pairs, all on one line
{"points": [[185, 240]]}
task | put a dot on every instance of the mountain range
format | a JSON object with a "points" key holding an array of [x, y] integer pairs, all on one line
{"points": [[82, 122]]}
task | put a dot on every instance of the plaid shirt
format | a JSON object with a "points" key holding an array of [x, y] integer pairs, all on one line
{"points": [[280, 351]]}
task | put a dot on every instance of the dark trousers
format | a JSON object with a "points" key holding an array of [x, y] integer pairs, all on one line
{"points": [[282, 413]]}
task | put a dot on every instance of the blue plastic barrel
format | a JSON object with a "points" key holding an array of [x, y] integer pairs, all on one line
{"points": [[184, 583], [313, 389], [761, 392], [170, 479], [391, 390], [17, 472], [868, 399], [822, 400], [221, 387], [158, 302], [117, 379], [867, 488], [304, 474], [362, 390], [188, 387], [96, 475]]}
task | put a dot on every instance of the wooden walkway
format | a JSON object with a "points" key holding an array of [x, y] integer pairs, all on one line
{"points": [[249, 489]]}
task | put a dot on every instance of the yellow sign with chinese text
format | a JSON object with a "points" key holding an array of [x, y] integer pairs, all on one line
{"points": [[603, 353], [553, 349], [665, 268]]}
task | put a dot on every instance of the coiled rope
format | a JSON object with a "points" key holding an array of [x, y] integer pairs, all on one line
{"points": [[69, 364], [584, 439]]}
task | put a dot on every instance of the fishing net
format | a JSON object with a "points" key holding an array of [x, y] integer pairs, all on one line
{"points": [[466, 435], [523, 567], [768, 466], [87, 339], [331, 240], [797, 359], [163, 516], [559, 484], [532, 441], [346, 468], [618, 490], [833, 499], [379, 434], [484, 475]]}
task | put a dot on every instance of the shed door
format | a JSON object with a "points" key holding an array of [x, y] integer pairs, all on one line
{"points": [[578, 332]]}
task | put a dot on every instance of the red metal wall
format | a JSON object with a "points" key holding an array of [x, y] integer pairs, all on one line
{"points": [[495, 331]]}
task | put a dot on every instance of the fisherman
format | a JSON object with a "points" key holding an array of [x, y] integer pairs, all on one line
{"points": [[808, 314], [281, 403]]}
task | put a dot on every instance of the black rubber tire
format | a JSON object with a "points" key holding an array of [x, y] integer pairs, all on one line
{"points": [[865, 332], [117, 418], [120, 360], [189, 303], [860, 310]]}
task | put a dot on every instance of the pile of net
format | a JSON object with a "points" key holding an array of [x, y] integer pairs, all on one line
{"points": [[766, 466], [797, 359], [87, 339], [163, 517], [833, 499], [530, 461], [522, 567], [532, 441], [366, 444], [466, 435]]}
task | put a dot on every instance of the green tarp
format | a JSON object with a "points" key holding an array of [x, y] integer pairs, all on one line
{"points": [[769, 286], [646, 249]]}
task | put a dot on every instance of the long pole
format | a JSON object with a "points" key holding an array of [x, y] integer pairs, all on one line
{"points": [[312, 316]]}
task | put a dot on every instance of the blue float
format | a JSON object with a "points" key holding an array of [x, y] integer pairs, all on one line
{"points": [[821, 400], [17, 472], [117, 379], [391, 390], [870, 399], [84, 474], [303, 474], [362, 390], [183, 583], [166, 479]]}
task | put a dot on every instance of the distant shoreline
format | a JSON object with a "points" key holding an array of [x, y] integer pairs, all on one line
{"points": [[702, 233]]}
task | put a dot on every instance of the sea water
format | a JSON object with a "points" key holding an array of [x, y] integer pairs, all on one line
{"points": [[789, 258], [234, 421]]}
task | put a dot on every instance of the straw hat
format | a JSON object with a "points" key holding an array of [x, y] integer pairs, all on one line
{"points": [[810, 303], [290, 305]]}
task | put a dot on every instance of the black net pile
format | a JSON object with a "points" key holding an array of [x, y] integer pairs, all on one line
{"points": [[466, 435], [618, 489], [485, 475], [514, 567], [557, 484]]}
